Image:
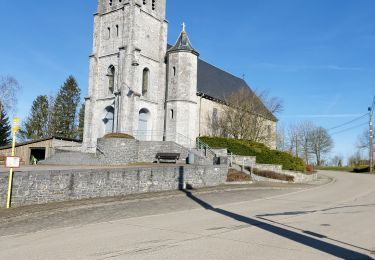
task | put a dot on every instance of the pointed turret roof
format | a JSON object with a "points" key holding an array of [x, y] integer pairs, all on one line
{"points": [[183, 43]]}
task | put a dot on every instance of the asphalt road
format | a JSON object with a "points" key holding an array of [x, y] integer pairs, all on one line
{"points": [[328, 221]]}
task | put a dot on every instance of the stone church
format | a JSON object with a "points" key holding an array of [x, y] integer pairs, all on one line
{"points": [[140, 85]]}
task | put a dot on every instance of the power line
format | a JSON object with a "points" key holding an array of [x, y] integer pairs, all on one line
{"points": [[349, 122], [351, 128]]}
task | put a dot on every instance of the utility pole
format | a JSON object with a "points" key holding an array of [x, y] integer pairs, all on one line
{"points": [[371, 141]]}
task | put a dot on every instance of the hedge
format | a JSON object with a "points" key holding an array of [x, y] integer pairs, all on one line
{"points": [[263, 154], [118, 135]]}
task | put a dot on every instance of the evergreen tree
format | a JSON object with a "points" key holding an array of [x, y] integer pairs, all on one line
{"points": [[36, 125], [81, 122], [5, 127], [64, 112]]}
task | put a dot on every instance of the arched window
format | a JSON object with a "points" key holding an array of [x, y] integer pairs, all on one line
{"points": [[145, 81], [111, 79], [143, 124], [174, 71], [110, 2], [153, 4], [144, 2], [109, 32], [108, 120]]}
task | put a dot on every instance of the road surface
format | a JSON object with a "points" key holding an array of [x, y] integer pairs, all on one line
{"points": [[329, 221]]}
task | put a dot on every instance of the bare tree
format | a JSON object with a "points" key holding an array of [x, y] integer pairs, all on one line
{"points": [[9, 87], [363, 141], [356, 159], [293, 140], [244, 116], [282, 140], [304, 131], [273, 104], [337, 160], [320, 143]]}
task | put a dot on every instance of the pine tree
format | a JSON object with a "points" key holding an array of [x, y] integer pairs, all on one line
{"points": [[64, 112], [81, 122], [36, 125], [5, 127]]}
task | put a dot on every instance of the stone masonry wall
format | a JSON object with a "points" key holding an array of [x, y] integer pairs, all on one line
{"points": [[116, 151], [55, 186]]}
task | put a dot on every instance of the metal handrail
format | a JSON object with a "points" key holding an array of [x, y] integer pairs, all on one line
{"points": [[204, 147]]}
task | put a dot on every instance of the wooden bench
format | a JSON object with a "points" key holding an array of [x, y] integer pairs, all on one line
{"points": [[167, 157]]}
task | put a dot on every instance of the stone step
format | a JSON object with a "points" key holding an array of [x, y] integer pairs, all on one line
{"points": [[71, 158]]}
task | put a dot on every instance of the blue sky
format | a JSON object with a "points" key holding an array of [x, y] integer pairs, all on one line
{"points": [[318, 56]]}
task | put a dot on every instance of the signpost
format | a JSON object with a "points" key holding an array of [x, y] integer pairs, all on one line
{"points": [[12, 161]]}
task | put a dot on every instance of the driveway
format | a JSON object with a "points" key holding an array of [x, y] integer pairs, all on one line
{"points": [[328, 221]]}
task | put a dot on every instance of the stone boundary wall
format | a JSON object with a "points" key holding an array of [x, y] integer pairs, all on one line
{"points": [[257, 178], [41, 187], [269, 167], [298, 177], [247, 161], [301, 177], [117, 151]]}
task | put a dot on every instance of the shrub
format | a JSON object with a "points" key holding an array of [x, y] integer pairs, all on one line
{"points": [[361, 169], [118, 135], [274, 175], [263, 153], [234, 175]]}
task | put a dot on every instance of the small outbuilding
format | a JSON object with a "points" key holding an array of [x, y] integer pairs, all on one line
{"points": [[41, 149]]}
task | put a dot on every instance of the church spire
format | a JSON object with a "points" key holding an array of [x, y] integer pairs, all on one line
{"points": [[183, 43]]}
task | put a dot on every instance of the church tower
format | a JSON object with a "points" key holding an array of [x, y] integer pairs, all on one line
{"points": [[127, 70], [181, 101]]}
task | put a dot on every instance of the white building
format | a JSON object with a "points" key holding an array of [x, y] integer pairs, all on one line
{"points": [[141, 86]]}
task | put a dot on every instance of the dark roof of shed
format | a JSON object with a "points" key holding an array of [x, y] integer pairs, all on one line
{"points": [[41, 140]]}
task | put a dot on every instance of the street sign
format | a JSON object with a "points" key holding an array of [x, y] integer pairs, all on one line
{"points": [[12, 162]]}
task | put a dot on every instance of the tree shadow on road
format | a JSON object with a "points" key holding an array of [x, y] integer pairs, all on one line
{"points": [[317, 244]]}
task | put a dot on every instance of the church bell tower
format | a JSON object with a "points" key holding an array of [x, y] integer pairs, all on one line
{"points": [[127, 69]]}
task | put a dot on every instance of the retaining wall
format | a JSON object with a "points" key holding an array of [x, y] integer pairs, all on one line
{"points": [[55, 186]]}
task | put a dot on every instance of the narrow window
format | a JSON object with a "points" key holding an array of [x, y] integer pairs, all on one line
{"points": [[174, 71], [117, 30], [215, 118], [144, 2], [172, 113], [110, 2], [145, 81], [111, 79], [109, 33], [153, 4]]}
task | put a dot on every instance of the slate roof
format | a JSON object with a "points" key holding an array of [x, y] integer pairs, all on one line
{"points": [[183, 44], [218, 84]]}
